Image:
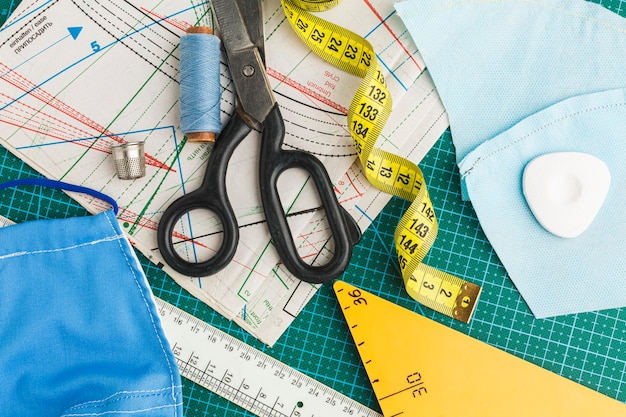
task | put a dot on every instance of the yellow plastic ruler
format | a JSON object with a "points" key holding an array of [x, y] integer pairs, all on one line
{"points": [[419, 367], [367, 115]]}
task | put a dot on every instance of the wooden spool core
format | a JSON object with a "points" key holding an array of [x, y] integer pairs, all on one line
{"points": [[200, 29], [200, 136]]}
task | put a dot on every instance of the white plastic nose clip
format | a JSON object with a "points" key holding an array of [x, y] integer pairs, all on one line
{"points": [[565, 191]]}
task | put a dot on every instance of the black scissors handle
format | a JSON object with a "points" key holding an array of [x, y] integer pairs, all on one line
{"points": [[273, 162], [212, 196]]}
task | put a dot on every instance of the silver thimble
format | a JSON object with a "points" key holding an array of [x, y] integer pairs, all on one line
{"points": [[130, 161]]}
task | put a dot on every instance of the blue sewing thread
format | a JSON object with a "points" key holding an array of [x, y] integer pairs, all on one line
{"points": [[200, 90]]}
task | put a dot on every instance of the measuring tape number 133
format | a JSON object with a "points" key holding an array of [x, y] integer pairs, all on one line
{"points": [[367, 115]]}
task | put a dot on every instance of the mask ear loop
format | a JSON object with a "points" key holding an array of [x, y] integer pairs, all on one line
{"points": [[45, 182]]}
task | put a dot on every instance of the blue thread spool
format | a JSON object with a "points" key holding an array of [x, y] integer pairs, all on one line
{"points": [[200, 90]]}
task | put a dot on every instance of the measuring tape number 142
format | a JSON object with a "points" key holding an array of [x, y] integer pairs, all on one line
{"points": [[367, 115]]}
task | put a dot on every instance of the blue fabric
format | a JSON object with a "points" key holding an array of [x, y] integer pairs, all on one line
{"points": [[496, 62], [521, 79], [555, 275], [79, 331]]}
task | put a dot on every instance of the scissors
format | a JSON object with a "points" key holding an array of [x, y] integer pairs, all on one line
{"points": [[241, 30]]}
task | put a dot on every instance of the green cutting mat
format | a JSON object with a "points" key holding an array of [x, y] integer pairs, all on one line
{"points": [[588, 348]]}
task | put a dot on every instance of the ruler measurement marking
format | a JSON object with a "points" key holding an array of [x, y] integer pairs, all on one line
{"points": [[223, 388], [252, 379], [400, 391]]}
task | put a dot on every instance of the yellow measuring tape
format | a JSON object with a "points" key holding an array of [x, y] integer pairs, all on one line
{"points": [[367, 115]]}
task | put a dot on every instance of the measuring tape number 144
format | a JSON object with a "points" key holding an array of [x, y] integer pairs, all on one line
{"points": [[367, 115]]}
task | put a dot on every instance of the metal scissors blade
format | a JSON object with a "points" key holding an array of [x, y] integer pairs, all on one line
{"points": [[240, 24], [252, 14]]}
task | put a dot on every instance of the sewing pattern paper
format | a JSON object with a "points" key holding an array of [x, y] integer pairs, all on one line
{"points": [[521, 79]]}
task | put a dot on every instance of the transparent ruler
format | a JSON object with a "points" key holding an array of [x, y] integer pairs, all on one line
{"points": [[5, 222], [247, 376]]}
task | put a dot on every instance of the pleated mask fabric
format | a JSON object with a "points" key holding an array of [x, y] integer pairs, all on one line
{"points": [[80, 333], [521, 79]]}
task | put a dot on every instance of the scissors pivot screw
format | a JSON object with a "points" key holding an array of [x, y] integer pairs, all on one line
{"points": [[248, 70]]}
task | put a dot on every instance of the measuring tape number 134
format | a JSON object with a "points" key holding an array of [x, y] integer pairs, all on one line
{"points": [[367, 115]]}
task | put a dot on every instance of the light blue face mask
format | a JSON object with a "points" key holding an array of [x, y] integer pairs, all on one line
{"points": [[79, 331], [521, 79]]}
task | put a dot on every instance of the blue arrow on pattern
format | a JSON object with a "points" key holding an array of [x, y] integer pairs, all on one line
{"points": [[75, 31]]}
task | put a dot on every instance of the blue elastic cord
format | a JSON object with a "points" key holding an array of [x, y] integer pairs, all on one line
{"points": [[200, 90], [44, 182]]}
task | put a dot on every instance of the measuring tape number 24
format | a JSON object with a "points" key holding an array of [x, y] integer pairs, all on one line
{"points": [[367, 115]]}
